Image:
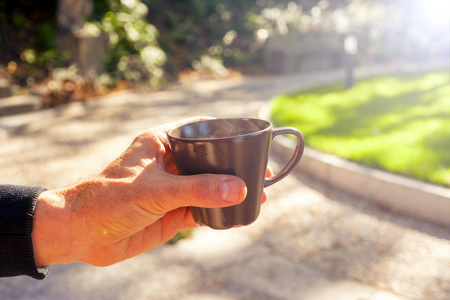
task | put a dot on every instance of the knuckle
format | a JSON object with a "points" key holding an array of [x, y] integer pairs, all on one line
{"points": [[205, 188], [173, 191], [143, 137]]}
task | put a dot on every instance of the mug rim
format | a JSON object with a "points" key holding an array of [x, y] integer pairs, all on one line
{"points": [[269, 127]]}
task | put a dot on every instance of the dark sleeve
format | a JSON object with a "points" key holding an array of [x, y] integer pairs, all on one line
{"points": [[17, 204]]}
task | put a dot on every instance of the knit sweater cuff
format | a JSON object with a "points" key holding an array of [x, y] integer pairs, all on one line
{"points": [[17, 205]]}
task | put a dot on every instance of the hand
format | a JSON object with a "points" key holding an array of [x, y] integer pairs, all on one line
{"points": [[135, 204]]}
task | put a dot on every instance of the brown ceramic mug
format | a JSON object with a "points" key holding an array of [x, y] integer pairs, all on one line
{"points": [[238, 146]]}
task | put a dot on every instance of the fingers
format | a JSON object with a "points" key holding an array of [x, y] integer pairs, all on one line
{"points": [[264, 197], [205, 190], [269, 172]]}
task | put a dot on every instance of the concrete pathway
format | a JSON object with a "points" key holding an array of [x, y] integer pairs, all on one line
{"points": [[310, 242]]}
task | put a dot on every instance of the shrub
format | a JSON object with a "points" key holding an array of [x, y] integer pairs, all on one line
{"points": [[134, 54]]}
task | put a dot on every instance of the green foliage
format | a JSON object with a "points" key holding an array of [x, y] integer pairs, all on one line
{"points": [[19, 20], [135, 54], [184, 234], [153, 40], [188, 31], [401, 123], [46, 36], [192, 29], [26, 25], [27, 39]]}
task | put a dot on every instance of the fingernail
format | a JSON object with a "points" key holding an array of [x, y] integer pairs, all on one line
{"points": [[231, 190]]}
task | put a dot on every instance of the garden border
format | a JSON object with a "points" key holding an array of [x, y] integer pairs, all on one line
{"points": [[398, 193]]}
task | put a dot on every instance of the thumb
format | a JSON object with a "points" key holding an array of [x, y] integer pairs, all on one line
{"points": [[205, 190]]}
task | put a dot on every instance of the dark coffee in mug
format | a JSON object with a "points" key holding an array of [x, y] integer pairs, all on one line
{"points": [[239, 147]]}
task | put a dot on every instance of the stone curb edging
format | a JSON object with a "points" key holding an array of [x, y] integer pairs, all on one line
{"points": [[19, 105], [401, 194]]}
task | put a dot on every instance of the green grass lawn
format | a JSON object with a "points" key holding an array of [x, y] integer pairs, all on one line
{"points": [[398, 123]]}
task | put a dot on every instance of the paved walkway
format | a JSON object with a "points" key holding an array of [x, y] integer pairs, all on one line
{"points": [[310, 242]]}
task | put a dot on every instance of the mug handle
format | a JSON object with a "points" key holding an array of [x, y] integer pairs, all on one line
{"points": [[295, 158]]}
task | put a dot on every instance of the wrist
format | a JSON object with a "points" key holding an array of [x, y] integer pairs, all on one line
{"points": [[51, 229]]}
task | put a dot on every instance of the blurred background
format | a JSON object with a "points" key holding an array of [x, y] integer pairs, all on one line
{"points": [[70, 50], [366, 80], [67, 50]]}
